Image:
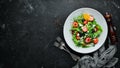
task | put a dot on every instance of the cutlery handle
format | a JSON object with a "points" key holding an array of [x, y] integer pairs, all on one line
{"points": [[75, 57], [111, 28]]}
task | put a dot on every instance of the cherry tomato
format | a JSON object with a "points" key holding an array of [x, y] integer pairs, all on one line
{"points": [[75, 24], [88, 40], [78, 37], [85, 22], [84, 28], [91, 18], [95, 41]]}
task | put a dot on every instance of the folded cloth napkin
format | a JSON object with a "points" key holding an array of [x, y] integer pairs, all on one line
{"points": [[101, 58]]}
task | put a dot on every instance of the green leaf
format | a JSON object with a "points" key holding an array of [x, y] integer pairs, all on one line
{"points": [[75, 41], [86, 46], [96, 34], [75, 29]]}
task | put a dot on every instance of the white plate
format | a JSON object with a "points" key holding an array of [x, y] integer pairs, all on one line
{"points": [[68, 23]]}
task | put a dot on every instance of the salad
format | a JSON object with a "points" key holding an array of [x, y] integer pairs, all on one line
{"points": [[85, 31]]}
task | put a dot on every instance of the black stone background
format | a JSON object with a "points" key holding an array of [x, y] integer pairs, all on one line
{"points": [[28, 29]]}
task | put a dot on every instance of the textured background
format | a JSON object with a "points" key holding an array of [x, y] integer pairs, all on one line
{"points": [[28, 29]]}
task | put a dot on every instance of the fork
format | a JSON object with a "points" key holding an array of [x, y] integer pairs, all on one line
{"points": [[61, 45]]}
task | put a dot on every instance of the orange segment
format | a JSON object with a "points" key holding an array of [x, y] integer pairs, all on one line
{"points": [[86, 16]]}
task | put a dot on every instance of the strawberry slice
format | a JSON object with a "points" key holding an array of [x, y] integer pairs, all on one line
{"points": [[91, 18], [85, 22], [85, 29]]}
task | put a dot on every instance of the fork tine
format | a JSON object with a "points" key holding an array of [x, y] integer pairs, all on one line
{"points": [[56, 44], [62, 43], [58, 39]]}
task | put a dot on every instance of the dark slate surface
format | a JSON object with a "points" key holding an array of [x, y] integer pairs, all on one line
{"points": [[28, 29]]}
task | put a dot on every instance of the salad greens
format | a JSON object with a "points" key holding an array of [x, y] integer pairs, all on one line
{"points": [[85, 31]]}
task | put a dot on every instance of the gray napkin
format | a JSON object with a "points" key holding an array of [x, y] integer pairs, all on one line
{"points": [[101, 58]]}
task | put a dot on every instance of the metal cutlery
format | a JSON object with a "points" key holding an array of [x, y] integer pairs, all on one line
{"points": [[61, 45]]}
